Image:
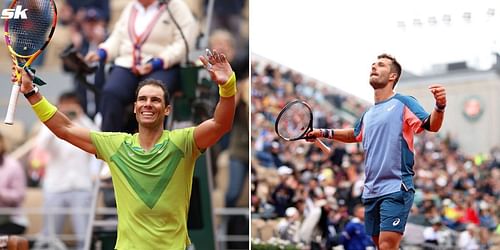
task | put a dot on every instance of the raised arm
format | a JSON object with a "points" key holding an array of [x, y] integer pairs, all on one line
{"points": [[210, 131], [437, 115], [56, 121]]}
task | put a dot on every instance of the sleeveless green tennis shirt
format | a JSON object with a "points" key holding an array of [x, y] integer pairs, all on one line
{"points": [[152, 189]]}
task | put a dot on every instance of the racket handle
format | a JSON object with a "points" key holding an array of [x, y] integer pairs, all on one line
{"points": [[322, 146], [11, 110]]}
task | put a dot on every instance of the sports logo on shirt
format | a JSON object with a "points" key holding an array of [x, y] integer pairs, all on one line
{"points": [[391, 107], [396, 222]]}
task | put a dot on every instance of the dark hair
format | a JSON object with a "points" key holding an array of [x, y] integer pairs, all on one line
{"points": [[157, 83], [395, 66]]}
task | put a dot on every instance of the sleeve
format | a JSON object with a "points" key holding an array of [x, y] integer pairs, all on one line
{"points": [[184, 139], [463, 239], [175, 52], [428, 233], [112, 44], [282, 227], [106, 143], [414, 114], [346, 234], [358, 129]]}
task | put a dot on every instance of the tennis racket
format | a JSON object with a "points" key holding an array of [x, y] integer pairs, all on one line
{"points": [[26, 37], [295, 121]]}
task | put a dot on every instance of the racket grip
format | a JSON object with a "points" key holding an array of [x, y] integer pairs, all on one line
{"points": [[11, 110], [322, 146]]}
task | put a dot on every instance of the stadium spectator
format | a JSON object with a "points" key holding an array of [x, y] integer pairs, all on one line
{"points": [[467, 239], [432, 234], [145, 43], [228, 15], [75, 14], [288, 228], [87, 22], [71, 11], [12, 193], [495, 155], [354, 235], [282, 196], [310, 230], [68, 173], [92, 30]]}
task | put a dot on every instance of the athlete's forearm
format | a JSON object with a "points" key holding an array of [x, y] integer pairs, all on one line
{"points": [[209, 132], [342, 135], [61, 125], [436, 120], [224, 113]]}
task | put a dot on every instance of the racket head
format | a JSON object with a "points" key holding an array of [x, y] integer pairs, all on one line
{"points": [[294, 121], [27, 38]]}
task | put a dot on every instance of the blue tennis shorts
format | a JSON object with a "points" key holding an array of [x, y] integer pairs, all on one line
{"points": [[388, 212]]}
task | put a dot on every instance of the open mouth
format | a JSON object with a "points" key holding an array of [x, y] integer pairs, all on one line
{"points": [[147, 113]]}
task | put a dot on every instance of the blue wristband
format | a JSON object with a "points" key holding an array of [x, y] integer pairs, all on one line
{"points": [[102, 54], [157, 63]]}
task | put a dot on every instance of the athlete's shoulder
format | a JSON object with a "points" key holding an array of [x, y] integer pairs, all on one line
{"points": [[99, 135], [110, 134], [179, 134], [179, 131], [413, 105], [406, 99]]}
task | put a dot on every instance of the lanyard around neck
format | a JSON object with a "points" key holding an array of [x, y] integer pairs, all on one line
{"points": [[139, 40]]}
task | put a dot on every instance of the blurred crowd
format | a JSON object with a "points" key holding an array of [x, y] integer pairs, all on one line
{"points": [[303, 196]]}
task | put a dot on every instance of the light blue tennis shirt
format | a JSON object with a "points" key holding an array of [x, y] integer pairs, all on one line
{"points": [[386, 131]]}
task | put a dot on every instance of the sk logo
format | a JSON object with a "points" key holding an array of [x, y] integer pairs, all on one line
{"points": [[17, 13]]}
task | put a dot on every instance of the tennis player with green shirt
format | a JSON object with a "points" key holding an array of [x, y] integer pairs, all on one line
{"points": [[153, 169]]}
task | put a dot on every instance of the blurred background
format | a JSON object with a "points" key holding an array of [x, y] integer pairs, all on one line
{"points": [[321, 52], [218, 218]]}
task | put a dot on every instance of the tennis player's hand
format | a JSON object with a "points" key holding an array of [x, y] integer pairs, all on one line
{"points": [[217, 65], [25, 80], [315, 133], [439, 93]]}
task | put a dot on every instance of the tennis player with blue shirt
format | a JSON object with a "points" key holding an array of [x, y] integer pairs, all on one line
{"points": [[386, 131]]}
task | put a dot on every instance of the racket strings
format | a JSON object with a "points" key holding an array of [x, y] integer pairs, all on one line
{"points": [[27, 36], [294, 121]]}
